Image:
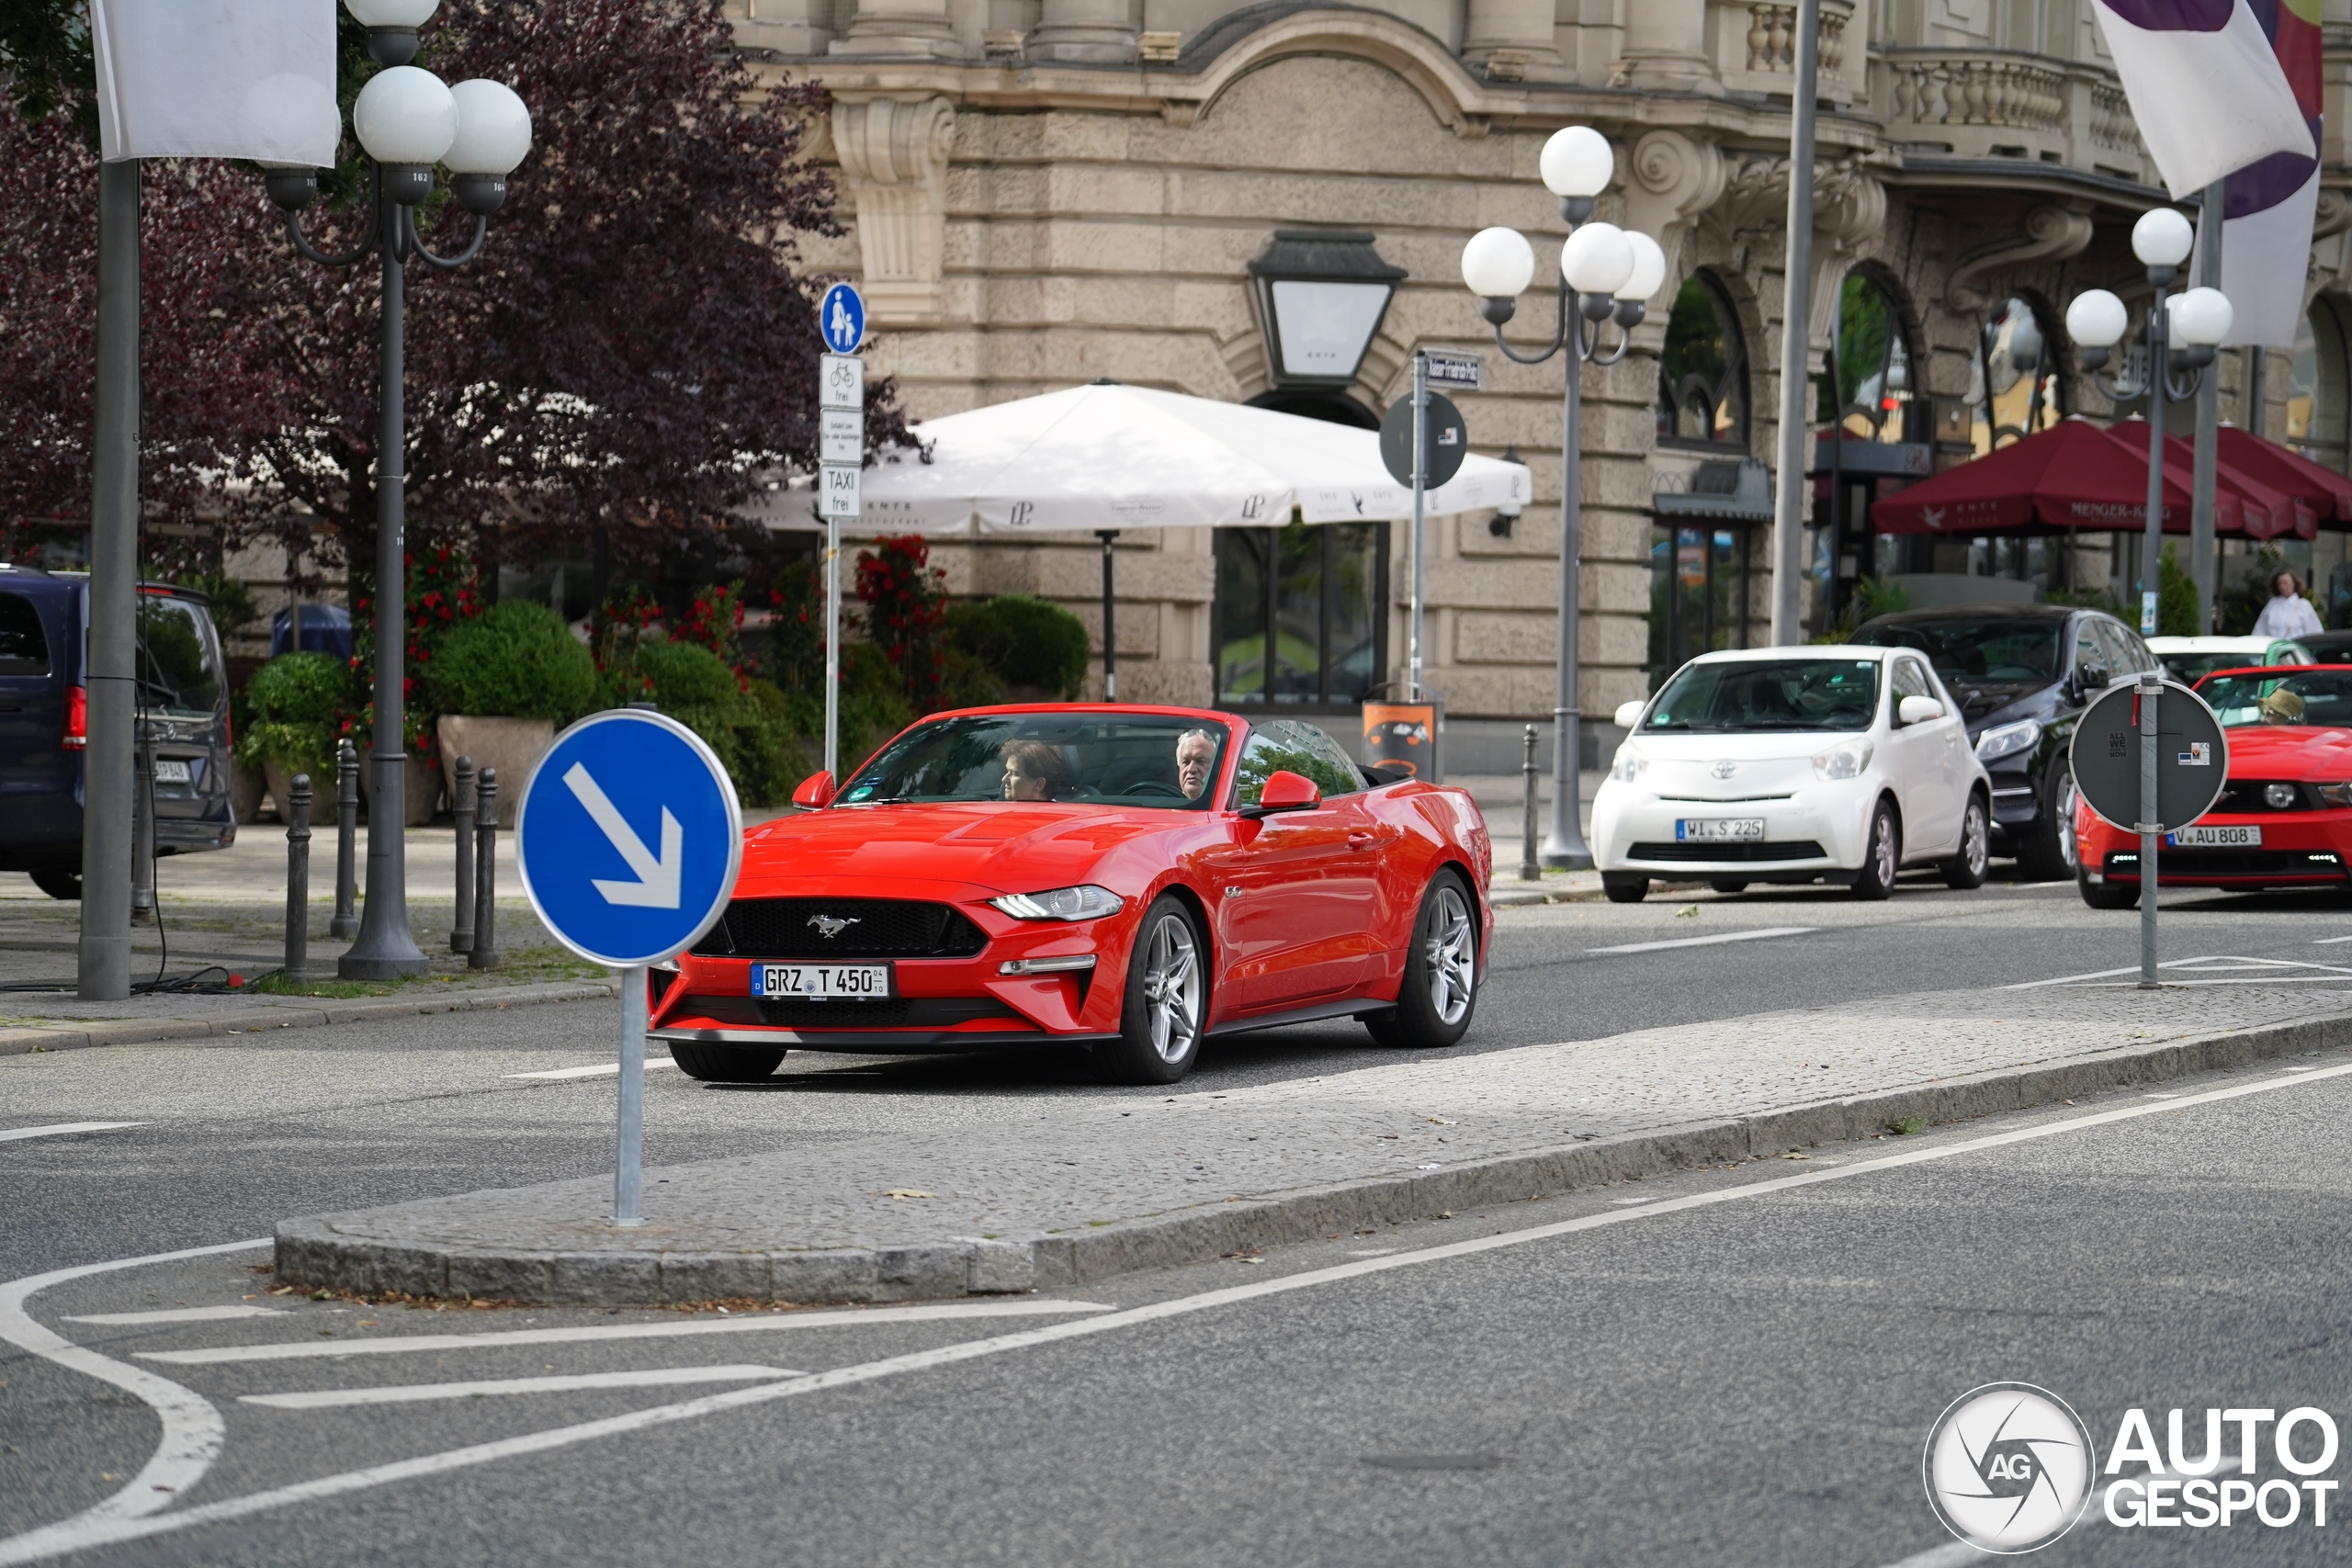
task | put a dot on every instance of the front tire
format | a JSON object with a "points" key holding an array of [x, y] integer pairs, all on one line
{"points": [[1967, 869], [2051, 854], [2107, 895], [1160, 1016], [1728, 887], [1620, 888], [1441, 985], [726, 1064], [1882, 856]]}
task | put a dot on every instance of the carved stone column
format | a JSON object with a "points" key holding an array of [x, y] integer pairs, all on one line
{"points": [[894, 162], [1098, 30], [900, 29], [1666, 47], [1511, 41]]}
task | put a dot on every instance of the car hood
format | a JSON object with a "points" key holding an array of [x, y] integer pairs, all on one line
{"points": [[2286, 752], [1691, 767], [1007, 848]]}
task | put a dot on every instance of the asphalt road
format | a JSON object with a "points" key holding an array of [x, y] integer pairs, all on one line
{"points": [[1748, 1379]]}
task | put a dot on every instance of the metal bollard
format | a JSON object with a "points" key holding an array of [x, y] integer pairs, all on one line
{"points": [[485, 948], [1529, 868], [142, 831], [461, 805], [346, 924], [298, 877]]}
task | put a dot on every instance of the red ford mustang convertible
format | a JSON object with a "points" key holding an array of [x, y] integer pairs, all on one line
{"points": [[2285, 816], [1127, 879]]}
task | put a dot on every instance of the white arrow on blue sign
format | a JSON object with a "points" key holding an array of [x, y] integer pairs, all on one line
{"points": [[841, 319], [629, 838]]}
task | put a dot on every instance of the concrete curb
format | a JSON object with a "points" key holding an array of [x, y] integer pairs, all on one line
{"points": [[315, 1252], [257, 1020]]}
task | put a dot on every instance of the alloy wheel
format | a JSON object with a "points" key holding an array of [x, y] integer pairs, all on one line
{"points": [[2069, 850], [1450, 953], [1172, 987], [1978, 848], [1882, 849]]}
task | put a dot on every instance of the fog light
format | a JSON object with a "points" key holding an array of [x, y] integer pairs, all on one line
{"points": [[2278, 796], [1076, 961]]}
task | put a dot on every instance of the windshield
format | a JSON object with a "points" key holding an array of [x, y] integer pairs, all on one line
{"points": [[2320, 698], [1766, 695], [1130, 759], [1972, 651], [2190, 667], [179, 669]]}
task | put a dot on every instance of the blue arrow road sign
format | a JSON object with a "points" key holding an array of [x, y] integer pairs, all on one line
{"points": [[629, 838], [841, 317]]}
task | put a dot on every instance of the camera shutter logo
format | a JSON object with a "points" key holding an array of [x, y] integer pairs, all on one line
{"points": [[2009, 1467]]}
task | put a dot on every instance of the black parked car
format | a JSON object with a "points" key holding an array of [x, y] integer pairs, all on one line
{"points": [[2328, 647], [183, 695], [2022, 673]]}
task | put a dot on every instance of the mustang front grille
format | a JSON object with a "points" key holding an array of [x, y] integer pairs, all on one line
{"points": [[840, 927]]}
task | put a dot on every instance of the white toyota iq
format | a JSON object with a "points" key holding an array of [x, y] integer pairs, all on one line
{"points": [[1834, 764]]}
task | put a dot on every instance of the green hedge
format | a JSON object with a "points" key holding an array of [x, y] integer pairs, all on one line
{"points": [[518, 661], [294, 705], [1023, 641]]}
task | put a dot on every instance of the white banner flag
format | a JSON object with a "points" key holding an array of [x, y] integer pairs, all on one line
{"points": [[2206, 88], [217, 79]]}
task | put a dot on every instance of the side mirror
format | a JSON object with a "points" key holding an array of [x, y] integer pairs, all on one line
{"points": [[1628, 714], [816, 791], [2090, 679], [1285, 791], [1919, 710]]}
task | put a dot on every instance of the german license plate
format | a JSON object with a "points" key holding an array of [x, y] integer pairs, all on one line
{"points": [[822, 982], [1701, 829], [2246, 838], [168, 772]]}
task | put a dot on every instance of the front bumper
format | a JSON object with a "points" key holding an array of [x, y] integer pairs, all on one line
{"points": [[2302, 849], [1819, 830]]}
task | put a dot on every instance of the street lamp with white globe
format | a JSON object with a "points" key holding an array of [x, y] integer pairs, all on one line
{"points": [[1606, 274], [2183, 332], [408, 121]]}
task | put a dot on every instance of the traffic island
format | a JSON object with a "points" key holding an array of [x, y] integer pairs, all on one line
{"points": [[1079, 1190]]}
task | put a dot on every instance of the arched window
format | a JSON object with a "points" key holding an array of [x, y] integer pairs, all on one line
{"points": [[2317, 397], [1872, 360], [2013, 386], [1703, 375]]}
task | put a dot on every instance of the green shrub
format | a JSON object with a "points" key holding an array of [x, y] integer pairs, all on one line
{"points": [[519, 661], [1023, 641], [295, 705], [686, 675]]}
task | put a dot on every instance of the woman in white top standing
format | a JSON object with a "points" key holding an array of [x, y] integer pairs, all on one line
{"points": [[2289, 613]]}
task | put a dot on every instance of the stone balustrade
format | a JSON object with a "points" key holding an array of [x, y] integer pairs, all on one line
{"points": [[1991, 102]]}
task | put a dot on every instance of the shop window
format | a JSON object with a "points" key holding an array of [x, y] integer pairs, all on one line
{"points": [[1298, 613], [1699, 592], [2014, 383], [2317, 401], [1867, 391], [1702, 374]]}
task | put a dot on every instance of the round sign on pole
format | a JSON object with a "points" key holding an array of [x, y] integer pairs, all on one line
{"points": [[1448, 442], [841, 319], [2192, 757], [629, 838]]}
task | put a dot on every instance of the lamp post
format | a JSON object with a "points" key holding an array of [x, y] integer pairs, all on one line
{"points": [[407, 120], [2198, 318], [1606, 273]]}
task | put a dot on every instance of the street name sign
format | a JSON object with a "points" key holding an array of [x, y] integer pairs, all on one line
{"points": [[841, 319], [629, 838], [1459, 371]]}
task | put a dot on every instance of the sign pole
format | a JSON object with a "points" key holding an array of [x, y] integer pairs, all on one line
{"points": [[841, 415], [1420, 482], [832, 646], [628, 1167], [2150, 828]]}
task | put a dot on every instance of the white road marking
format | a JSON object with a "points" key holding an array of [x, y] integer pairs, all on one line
{"points": [[85, 1530], [494, 1340], [1371, 1252], [604, 1071], [1952, 1554], [2211, 964], [1707, 940], [178, 1314], [58, 1129], [2331, 940], [410, 1394]]}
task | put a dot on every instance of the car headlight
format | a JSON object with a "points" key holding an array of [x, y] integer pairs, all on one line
{"points": [[1844, 760], [2009, 739], [2335, 794], [1084, 903], [1629, 765]]}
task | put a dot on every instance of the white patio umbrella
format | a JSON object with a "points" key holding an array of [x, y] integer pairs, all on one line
{"points": [[1106, 457]]}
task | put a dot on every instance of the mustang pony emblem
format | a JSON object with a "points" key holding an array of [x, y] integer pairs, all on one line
{"points": [[831, 926]]}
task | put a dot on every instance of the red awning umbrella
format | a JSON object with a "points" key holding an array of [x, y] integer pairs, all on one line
{"points": [[2243, 503], [2073, 475], [2281, 467]]}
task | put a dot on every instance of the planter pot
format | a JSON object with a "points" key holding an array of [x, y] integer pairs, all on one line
{"points": [[420, 789], [246, 787], [277, 778], [512, 746]]}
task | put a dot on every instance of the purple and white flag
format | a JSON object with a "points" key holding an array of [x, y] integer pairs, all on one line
{"points": [[2205, 84], [2267, 208]]}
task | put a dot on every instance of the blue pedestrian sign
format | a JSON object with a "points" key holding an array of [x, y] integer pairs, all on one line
{"points": [[841, 319], [629, 838]]}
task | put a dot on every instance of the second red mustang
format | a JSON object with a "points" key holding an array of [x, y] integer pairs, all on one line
{"points": [[1128, 879]]}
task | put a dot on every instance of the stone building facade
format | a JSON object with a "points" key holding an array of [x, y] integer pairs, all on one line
{"points": [[1046, 192]]}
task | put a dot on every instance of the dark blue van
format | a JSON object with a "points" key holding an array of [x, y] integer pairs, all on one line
{"points": [[44, 722]]}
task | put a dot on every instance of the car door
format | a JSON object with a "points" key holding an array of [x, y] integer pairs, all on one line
{"points": [[37, 805], [1919, 762], [1286, 915]]}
